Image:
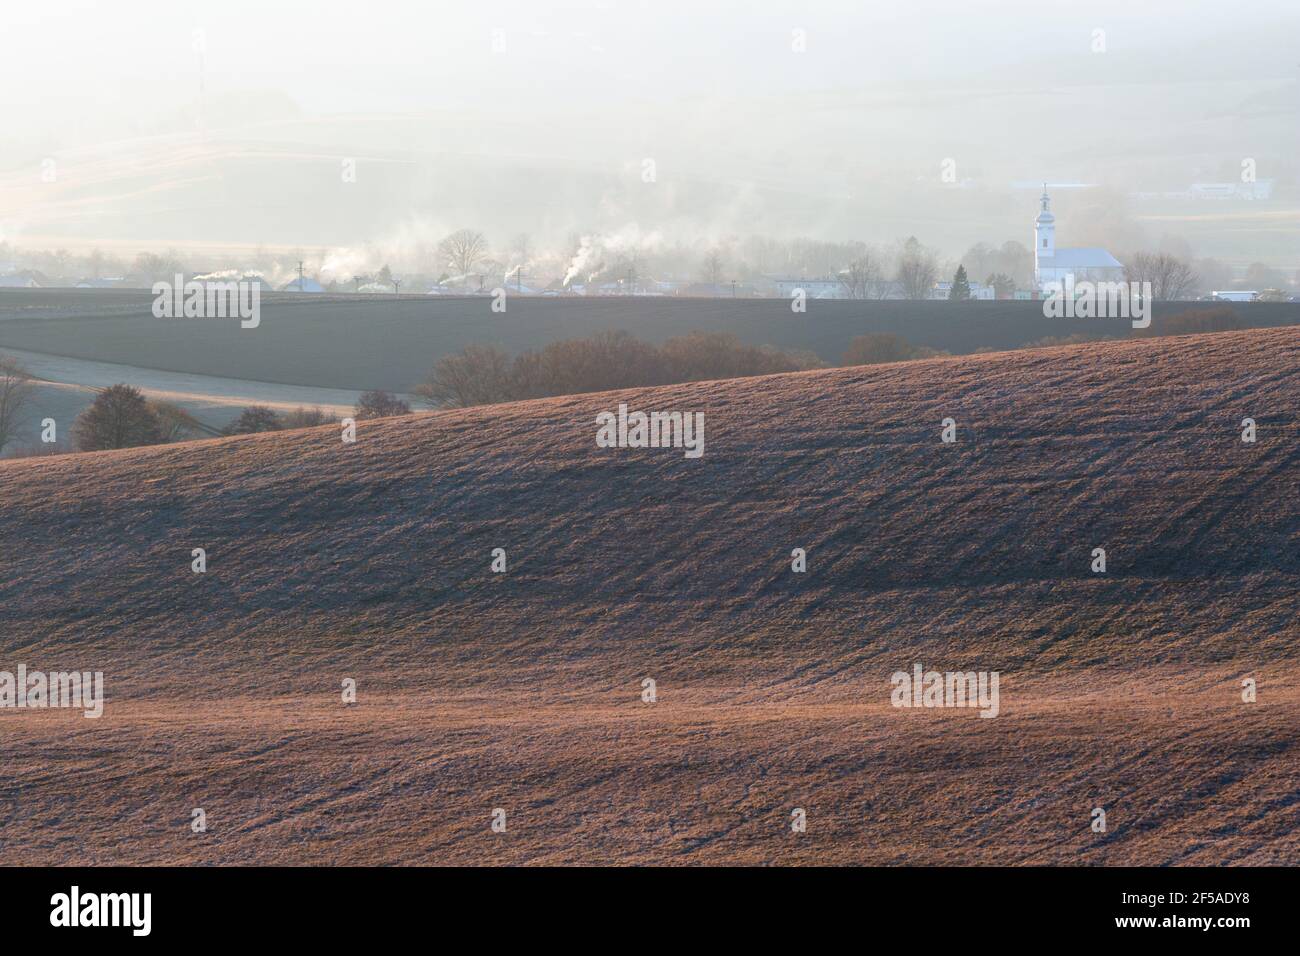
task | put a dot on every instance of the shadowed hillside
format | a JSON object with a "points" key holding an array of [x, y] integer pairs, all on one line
{"points": [[523, 690]]}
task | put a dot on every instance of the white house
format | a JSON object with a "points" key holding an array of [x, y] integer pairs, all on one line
{"points": [[812, 288], [1054, 267], [1256, 189]]}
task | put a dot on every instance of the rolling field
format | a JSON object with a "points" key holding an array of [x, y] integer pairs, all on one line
{"points": [[390, 342], [523, 690]]}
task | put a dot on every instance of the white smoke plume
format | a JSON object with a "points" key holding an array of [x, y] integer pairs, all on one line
{"points": [[595, 252]]}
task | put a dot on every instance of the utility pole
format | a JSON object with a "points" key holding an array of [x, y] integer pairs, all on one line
{"points": [[733, 288], [301, 286]]}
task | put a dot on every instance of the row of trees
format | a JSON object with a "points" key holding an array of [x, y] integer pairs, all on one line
{"points": [[487, 375], [260, 418]]}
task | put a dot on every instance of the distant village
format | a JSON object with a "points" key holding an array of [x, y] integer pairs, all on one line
{"points": [[755, 267]]}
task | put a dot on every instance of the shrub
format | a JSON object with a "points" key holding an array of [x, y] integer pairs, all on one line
{"points": [[380, 404], [302, 417], [878, 348], [1222, 319], [255, 418], [602, 362], [701, 356]]}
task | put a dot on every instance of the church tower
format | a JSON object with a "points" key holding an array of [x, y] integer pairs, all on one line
{"points": [[1044, 236]]}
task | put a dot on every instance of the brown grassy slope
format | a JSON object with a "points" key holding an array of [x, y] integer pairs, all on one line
{"points": [[522, 690]]}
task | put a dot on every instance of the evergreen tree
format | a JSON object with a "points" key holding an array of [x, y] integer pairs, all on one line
{"points": [[960, 290]]}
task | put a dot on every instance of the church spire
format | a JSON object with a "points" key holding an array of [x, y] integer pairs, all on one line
{"points": [[1045, 207], [1044, 234]]}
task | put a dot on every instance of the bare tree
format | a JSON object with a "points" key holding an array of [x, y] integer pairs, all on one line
{"points": [[174, 422], [155, 268], [463, 250], [15, 391], [119, 417], [917, 269], [1170, 277], [864, 277], [1261, 276], [711, 268], [480, 375]]}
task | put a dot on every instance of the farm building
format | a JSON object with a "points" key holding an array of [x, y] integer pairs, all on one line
{"points": [[813, 288]]}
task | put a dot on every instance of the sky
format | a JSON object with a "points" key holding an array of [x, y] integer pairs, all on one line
{"points": [[790, 118], [138, 55]]}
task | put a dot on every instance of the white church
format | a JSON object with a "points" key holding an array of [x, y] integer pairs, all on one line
{"points": [[1055, 267]]}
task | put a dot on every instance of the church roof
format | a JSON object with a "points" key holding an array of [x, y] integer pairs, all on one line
{"points": [[1081, 258]]}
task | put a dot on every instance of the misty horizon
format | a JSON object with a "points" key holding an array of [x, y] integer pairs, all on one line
{"points": [[217, 136]]}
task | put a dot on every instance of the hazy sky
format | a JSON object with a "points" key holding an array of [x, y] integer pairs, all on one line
{"points": [[65, 61], [748, 131]]}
